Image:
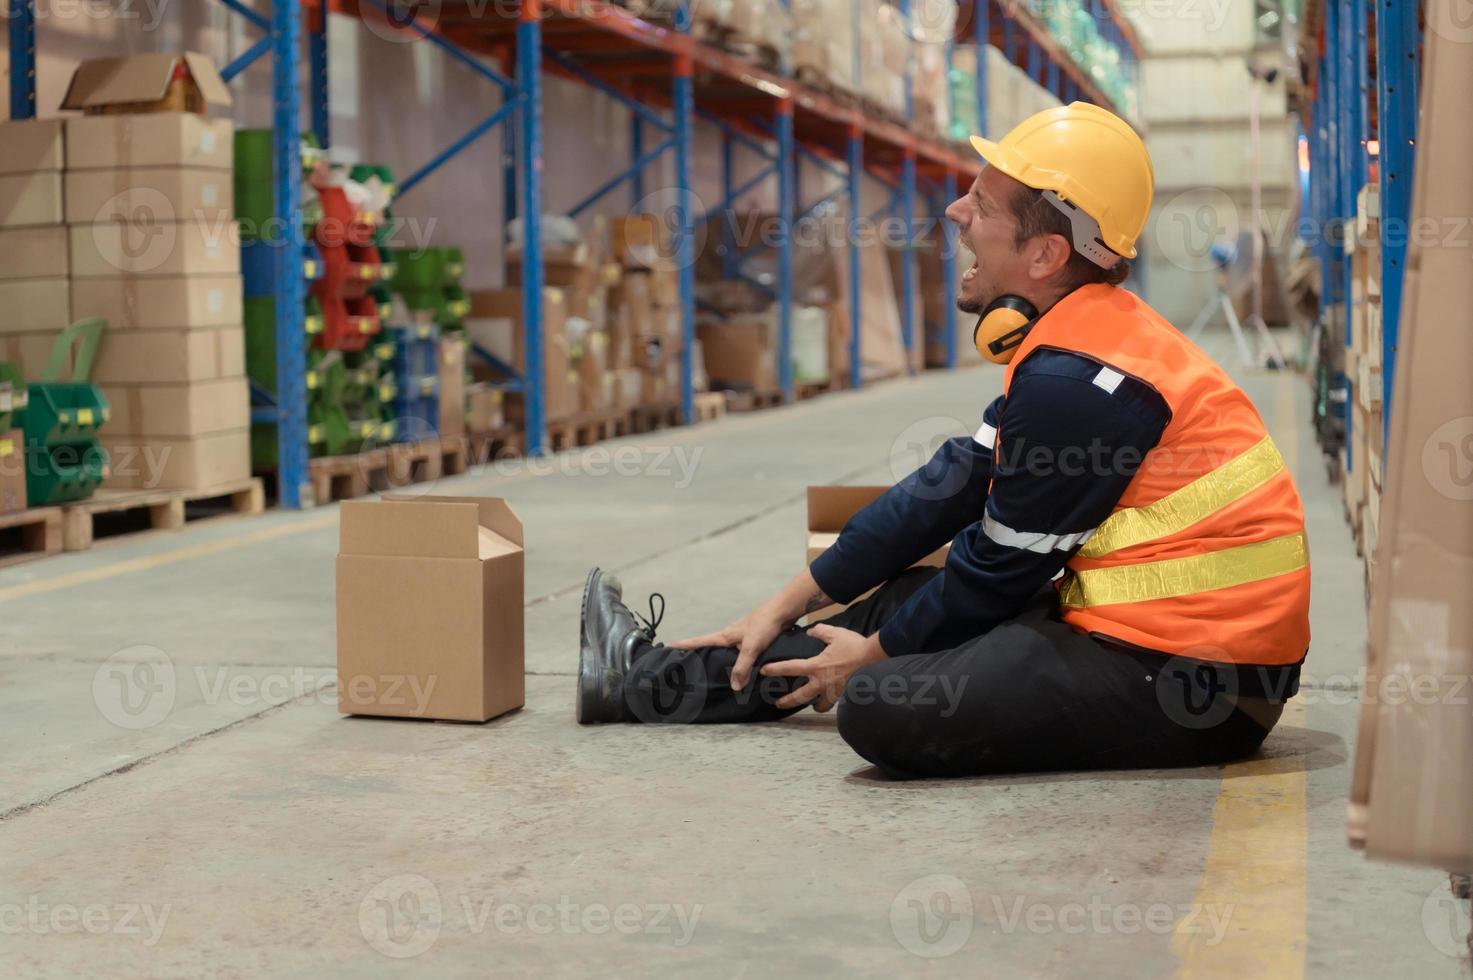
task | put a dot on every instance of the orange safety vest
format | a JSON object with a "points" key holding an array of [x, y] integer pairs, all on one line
{"points": [[1205, 553]]}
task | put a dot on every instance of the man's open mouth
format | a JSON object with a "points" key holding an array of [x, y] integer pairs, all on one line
{"points": [[971, 272]]}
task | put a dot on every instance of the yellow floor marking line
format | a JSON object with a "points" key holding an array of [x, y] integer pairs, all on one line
{"points": [[1248, 919], [83, 577]]}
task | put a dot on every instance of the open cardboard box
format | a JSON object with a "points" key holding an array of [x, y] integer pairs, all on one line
{"points": [[430, 593], [829, 509]]}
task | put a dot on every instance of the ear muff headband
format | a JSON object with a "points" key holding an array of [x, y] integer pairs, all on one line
{"points": [[1002, 326]]}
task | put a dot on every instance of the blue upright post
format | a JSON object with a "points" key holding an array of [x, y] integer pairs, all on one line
{"points": [[509, 170], [908, 255], [786, 196], [1009, 37], [948, 269], [529, 87], [22, 59], [636, 150], [1035, 61], [1396, 127], [728, 239], [1354, 81], [855, 157], [683, 97], [980, 30], [317, 62], [1053, 80], [293, 488]]}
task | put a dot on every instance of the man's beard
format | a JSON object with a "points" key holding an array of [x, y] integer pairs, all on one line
{"points": [[970, 305]]}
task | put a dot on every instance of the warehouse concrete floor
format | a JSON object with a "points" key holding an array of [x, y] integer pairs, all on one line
{"points": [[182, 799]]}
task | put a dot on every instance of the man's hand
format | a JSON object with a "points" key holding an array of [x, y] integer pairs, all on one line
{"points": [[845, 651], [751, 634]]}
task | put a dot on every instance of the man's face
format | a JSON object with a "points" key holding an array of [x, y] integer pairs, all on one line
{"points": [[986, 229]]}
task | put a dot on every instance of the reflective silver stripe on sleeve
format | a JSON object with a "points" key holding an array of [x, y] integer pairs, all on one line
{"points": [[1109, 379], [1034, 541], [986, 435]]}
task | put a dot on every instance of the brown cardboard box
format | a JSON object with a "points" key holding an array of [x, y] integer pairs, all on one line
{"points": [[169, 356], [739, 354], [147, 83], [178, 410], [12, 471], [640, 241], [498, 312], [430, 592], [168, 139], [34, 253], [154, 248], [483, 408], [452, 386], [154, 462], [634, 306], [1412, 788], [134, 194], [33, 199], [564, 266], [664, 287], [155, 302], [30, 305], [829, 509], [628, 388], [30, 352], [30, 145]]}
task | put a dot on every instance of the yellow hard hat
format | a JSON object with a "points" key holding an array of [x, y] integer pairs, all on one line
{"points": [[1088, 156]]}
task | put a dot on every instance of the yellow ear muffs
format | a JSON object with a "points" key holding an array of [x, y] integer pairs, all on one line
{"points": [[1002, 326]]}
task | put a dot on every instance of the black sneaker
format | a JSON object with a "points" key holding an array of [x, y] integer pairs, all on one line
{"points": [[610, 634]]}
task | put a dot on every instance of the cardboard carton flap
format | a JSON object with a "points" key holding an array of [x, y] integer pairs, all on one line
{"points": [[829, 508], [423, 528], [140, 78], [493, 513]]}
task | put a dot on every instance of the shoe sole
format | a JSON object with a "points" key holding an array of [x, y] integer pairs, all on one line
{"points": [[590, 679]]}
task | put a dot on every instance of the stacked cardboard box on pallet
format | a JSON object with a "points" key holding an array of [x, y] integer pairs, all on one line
{"points": [[153, 250], [1364, 453], [646, 318], [35, 305]]}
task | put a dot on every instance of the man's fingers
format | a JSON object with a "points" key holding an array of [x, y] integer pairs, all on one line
{"points": [[823, 632], [742, 670], [801, 696], [789, 668]]}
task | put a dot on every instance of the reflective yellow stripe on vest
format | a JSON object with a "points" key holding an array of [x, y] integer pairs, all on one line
{"points": [[1196, 501], [1186, 576]]}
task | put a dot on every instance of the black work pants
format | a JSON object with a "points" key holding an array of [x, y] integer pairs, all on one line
{"points": [[1030, 695]]}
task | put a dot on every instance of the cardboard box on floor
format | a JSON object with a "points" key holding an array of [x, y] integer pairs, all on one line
{"points": [[829, 509], [429, 608]]}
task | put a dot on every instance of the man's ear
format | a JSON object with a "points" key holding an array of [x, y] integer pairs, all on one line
{"points": [[1050, 255]]}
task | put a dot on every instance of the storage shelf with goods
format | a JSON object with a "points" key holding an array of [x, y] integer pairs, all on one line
{"points": [[758, 70]]}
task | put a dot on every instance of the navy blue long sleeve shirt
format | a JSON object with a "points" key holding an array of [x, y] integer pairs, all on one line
{"points": [[1073, 433]]}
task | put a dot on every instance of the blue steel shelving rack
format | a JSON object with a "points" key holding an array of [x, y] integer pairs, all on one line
{"points": [[1342, 118], [647, 68]]}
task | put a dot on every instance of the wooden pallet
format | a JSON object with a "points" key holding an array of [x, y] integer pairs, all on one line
{"points": [[581, 429], [503, 442], [414, 462], [345, 477], [812, 389], [36, 533], [110, 512], [648, 418], [751, 401], [710, 406]]}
